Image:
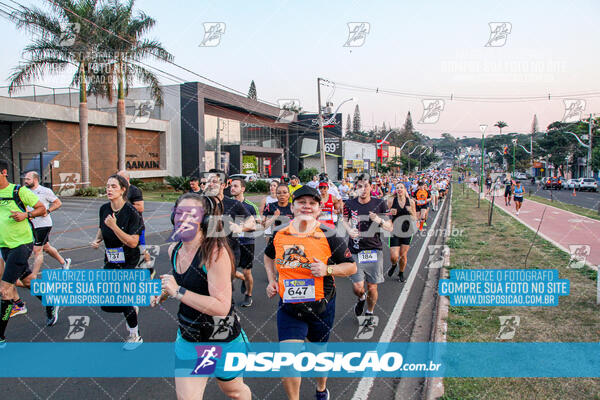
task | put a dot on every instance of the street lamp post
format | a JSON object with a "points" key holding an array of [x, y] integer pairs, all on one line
{"points": [[482, 128], [322, 123], [405, 143], [514, 141]]}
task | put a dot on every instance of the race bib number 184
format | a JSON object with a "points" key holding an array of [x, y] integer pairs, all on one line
{"points": [[367, 256]]}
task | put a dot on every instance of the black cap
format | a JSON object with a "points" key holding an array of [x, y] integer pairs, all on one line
{"points": [[306, 190]]}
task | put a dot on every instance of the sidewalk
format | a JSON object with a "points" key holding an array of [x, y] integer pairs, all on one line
{"points": [[561, 228]]}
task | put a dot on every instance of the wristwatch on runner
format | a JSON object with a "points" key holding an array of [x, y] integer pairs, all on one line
{"points": [[180, 293], [330, 270]]}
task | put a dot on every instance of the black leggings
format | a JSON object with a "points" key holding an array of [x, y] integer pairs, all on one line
{"points": [[128, 311]]}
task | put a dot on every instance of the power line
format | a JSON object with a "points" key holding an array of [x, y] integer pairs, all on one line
{"points": [[168, 61], [453, 97]]}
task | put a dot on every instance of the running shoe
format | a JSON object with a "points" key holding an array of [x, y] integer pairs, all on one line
{"points": [[391, 270], [52, 315], [243, 287], [401, 276], [152, 272], [16, 310], [67, 263], [359, 307], [517, 213], [247, 301], [322, 395], [424, 224], [133, 342]]}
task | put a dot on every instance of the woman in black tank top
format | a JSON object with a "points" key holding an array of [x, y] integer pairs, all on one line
{"points": [[403, 207], [203, 266]]}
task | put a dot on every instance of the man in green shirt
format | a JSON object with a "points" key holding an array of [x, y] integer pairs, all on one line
{"points": [[16, 244]]}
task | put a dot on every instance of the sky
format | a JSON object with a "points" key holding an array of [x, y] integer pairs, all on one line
{"points": [[426, 49]]}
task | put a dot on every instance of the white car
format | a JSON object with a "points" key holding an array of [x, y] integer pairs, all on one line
{"points": [[571, 184], [588, 184], [246, 177], [521, 176]]}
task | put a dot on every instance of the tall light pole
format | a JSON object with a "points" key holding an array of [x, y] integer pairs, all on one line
{"points": [[321, 128], [514, 142], [405, 143], [482, 128], [409, 154], [322, 123], [589, 155]]}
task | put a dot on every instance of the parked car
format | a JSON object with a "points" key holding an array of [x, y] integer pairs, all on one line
{"points": [[521, 176], [553, 183], [571, 184], [588, 184], [246, 177]]}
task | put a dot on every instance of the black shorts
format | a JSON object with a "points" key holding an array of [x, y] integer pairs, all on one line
{"points": [[423, 207], [442, 191], [246, 255], [16, 264], [398, 241], [507, 193], [41, 235], [518, 199]]}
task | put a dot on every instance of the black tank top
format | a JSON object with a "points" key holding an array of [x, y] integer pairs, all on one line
{"points": [[194, 325], [400, 211]]}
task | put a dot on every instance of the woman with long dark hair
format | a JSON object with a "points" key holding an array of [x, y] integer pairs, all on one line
{"points": [[202, 270], [120, 228]]}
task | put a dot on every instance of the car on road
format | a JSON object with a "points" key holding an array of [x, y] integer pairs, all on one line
{"points": [[553, 183], [249, 177], [588, 184], [571, 184], [521, 176]]}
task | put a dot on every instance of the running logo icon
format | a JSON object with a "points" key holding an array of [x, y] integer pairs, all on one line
{"points": [[212, 34], [288, 109], [508, 327], [573, 110], [366, 327], [499, 32], [432, 108], [69, 34], [143, 110], [222, 327], [579, 254], [207, 359], [68, 183], [357, 34], [437, 255], [77, 326]]}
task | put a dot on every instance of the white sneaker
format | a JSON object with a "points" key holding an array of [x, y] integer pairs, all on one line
{"points": [[517, 213], [133, 342], [67, 263]]}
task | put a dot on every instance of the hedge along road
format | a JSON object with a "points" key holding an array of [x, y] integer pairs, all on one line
{"points": [[396, 309]]}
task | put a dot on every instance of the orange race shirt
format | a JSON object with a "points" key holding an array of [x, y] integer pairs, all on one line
{"points": [[421, 196], [293, 252]]}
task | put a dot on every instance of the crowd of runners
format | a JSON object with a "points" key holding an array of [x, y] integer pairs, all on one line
{"points": [[315, 232]]}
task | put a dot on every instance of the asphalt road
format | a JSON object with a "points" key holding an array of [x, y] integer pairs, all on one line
{"points": [[77, 224]]}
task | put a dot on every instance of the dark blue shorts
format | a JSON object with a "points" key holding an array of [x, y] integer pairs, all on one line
{"points": [[316, 329]]}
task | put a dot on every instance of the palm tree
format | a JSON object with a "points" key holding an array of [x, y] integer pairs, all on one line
{"points": [[501, 124], [127, 47], [50, 52]]}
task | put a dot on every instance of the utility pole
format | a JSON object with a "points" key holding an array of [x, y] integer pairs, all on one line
{"points": [[218, 150], [321, 128], [482, 128], [589, 155]]}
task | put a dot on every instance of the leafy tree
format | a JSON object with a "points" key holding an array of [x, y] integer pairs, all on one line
{"points": [[252, 91], [500, 125], [127, 47], [55, 49], [348, 125], [356, 121]]}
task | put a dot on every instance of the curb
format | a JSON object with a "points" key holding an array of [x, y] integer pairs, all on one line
{"points": [[435, 386]]}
